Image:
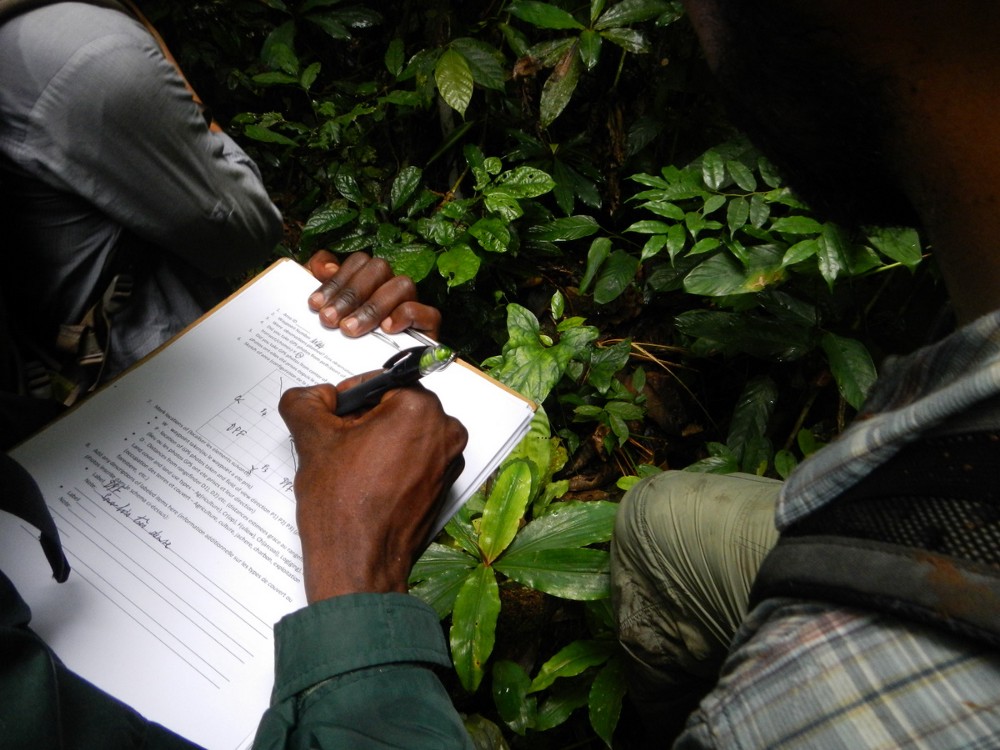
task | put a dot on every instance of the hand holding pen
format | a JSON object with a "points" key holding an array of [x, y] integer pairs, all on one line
{"points": [[401, 370]]}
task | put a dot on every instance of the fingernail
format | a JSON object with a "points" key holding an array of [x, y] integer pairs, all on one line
{"points": [[329, 316], [350, 325], [316, 300], [331, 268]]}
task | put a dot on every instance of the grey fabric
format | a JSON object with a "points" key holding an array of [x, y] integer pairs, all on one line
{"points": [[101, 144]]}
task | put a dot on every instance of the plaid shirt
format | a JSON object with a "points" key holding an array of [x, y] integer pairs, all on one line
{"points": [[814, 675]]}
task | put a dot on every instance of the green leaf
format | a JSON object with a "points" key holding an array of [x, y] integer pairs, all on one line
{"points": [[404, 186], [492, 234], [568, 524], [561, 702], [510, 695], [742, 175], [902, 245], [348, 186], [599, 250], [484, 61], [737, 214], [572, 660], [630, 40], [395, 56], [796, 225], [606, 362], [561, 230], [851, 365], [525, 182], [458, 265], [278, 51], [504, 509], [543, 15], [454, 80], [629, 12], [713, 203], [415, 261], [832, 253], [590, 48], [327, 219], [784, 463], [331, 26], [473, 626], [616, 274], [578, 574], [559, 86], [730, 333], [309, 76], [676, 239], [719, 275], [800, 251], [752, 414], [649, 227], [760, 211], [713, 169], [606, 696], [440, 591], [274, 77], [260, 133]]}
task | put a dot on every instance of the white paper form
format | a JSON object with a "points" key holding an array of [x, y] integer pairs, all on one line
{"points": [[172, 491]]}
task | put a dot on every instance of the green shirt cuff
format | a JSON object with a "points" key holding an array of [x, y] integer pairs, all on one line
{"points": [[352, 632]]}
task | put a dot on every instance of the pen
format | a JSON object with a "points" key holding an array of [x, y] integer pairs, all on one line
{"points": [[402, 369]]}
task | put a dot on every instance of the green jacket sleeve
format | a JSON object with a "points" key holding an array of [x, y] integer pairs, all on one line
{"points": [[355, 671]]}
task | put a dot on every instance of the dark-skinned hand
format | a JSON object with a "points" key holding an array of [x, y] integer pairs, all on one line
{"points": [[369, 485], [362, 294]]}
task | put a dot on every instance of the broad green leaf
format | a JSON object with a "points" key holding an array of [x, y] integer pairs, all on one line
{"points": [[440, 590], [439, 558], [851, 365], [485, 734], [624, 410], [596, 8], [547, 54], [760, 211], [732, 332], [557, 305], [274, 77], [665, 209], [832, 253], [631, 40], [504, 509], [796, 225], [559, 86], [458, 265], [705, 245], [630, 11], [348, 187], [413, 260], [260, 133], [752, 413], [309, 76], [570, 524], [572, 660], [615, 275], [676, 239], [713, 169], [327, 219], [525, 182], [606, 362], [454, 80], [800, 251], [590, 48], [715, 465], [649, 226], [510, 695], [331, 25], [784, 463], [501, 202], [561, 702], [712, 204], [742, 175], [485, 63], [543, 15], [902, 245], [278, 51], [606, 696], [653, 247], [578, 574], [717, 276], [460, 526], [492, 234], [599, 250], [404, 186], [737, 214], [568, 228], [395, 56], [473, 626]]}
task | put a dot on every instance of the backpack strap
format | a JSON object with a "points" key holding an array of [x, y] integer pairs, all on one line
{"points": [[918, 538]]}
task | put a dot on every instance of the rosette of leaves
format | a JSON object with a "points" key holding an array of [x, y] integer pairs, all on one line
{"points": [[417, 231], [519, 533], [569, 56]]}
